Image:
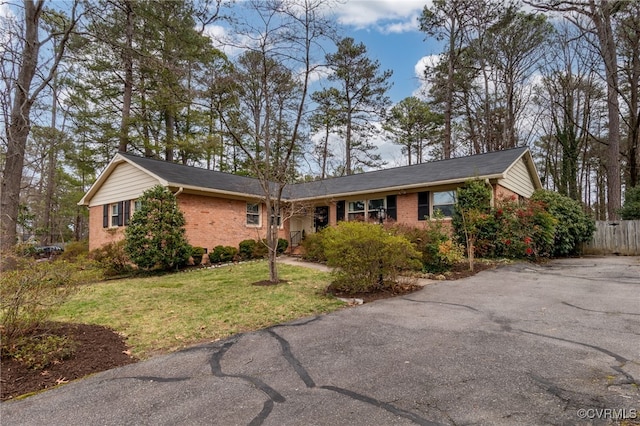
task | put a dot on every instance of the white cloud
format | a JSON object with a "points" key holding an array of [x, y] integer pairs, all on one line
{"points": [[5, 11], [223, 40], [388, 16], [419, 69]]}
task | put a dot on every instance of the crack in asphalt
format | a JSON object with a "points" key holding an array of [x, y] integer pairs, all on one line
{"points": [[292, 360], [551, 270], [274, 396], [570, 398], [385, 406], [310, 383], [442, 303], [159, 379], [619, 358], [504, 325], [599, 312], [614, 355]]}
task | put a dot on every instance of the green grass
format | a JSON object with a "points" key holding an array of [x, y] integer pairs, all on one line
{"points": [[165, 313]]}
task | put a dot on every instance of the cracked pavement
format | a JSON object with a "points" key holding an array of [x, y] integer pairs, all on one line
{"points": [[521, 344]]}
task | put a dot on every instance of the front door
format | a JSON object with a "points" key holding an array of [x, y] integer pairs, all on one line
{"points": [[321, 218]]}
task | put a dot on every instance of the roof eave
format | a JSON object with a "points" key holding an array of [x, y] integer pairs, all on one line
{"points": [[234, 194]]}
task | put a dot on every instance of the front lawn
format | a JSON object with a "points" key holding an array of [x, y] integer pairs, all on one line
{"points": [[161, 314]]}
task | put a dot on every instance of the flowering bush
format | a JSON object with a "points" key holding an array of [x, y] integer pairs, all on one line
{"points": [[523, 230]]}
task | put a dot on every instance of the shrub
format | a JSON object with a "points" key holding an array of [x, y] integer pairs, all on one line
{"points": [[631, 208], [573, 225], [29, 296], [196, 254], [74, 250], [450, 253], [155, 237], [313, 247], [247, 249], [523, 230], [438, 251], [471, 214], [261, 249], [40, 351], [112, 258], [282, 245], [366, 257], [223, 254]]}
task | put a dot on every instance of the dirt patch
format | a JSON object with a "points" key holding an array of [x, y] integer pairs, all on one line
{"points": [[268, 283], [397, 290], [461, 270], [97, 349]]}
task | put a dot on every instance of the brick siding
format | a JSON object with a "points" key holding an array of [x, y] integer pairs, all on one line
{"points": [[210, 221]]}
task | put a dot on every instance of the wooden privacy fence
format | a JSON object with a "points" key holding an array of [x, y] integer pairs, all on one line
{"points": [[620, 237]]}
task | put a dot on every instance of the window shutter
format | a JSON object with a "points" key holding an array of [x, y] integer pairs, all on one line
{"points": [[340, 210], [127, 212], [105, 216], [423, 205], [392, 210], [121, 213]]}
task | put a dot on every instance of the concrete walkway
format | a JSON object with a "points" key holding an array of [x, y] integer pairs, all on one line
{"points": [[518, 345]]}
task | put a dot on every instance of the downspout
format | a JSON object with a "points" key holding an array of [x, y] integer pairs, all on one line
{"points": [[492, 201], [179, 191]]}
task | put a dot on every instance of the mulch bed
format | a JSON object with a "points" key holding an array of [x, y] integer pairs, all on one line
{"points": [[99, 348]]}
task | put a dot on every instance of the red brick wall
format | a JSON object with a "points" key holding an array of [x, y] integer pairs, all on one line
{"points": [[99, 236], [407, 208], [210, 222], [502, 193]]}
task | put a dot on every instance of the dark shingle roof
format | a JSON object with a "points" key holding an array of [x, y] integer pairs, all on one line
{"points": [[181, 175], [456, 169]]}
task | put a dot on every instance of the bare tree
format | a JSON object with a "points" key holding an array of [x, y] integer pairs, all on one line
{"points": [[33, 76], [281, 54], [599, 14]]}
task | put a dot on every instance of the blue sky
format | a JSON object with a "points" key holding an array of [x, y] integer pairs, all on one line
{"points": [[389, 30]]}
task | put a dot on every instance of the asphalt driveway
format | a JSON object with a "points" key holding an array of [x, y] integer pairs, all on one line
{"points": [[523, 344]]}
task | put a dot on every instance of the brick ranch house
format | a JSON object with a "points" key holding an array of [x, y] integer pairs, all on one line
{"points": [[224, 209]]}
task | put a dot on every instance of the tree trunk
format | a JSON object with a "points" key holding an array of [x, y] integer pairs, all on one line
{"points": [[19, 127], [127, 56], [602, 20], [448, 106]]}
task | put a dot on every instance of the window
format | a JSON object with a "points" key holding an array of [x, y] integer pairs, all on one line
{"points": [[444, 202], [340, 210], [363, 209], [374, 207], [115, 214], [423, 205], [356, 210], [392, 207], [253, 214], [277, 217]]}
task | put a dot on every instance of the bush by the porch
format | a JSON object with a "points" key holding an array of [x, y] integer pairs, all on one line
{"points": [[366, 257]]}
